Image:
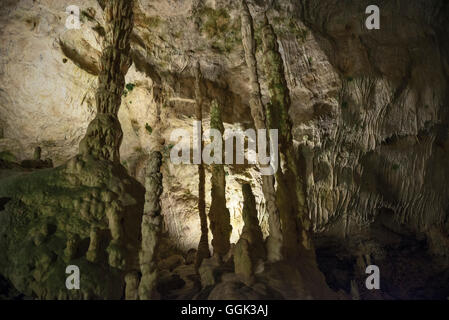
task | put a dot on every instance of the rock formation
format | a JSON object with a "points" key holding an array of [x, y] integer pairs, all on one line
{"points": [[86, 212], [151, 228], [203, 245], [219, 216], [274, 241], [363, 122], [250, 250], [290, 190]]}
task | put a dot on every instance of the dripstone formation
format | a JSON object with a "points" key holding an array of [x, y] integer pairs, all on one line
{"points": [[86, 212], [86, 177], [151, 229], [219, 215]]}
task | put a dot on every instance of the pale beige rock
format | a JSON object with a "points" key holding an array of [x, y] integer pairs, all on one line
{"points": [[348, 136], [151, 230]]}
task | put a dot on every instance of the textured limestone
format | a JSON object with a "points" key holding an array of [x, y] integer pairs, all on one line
{"points": [[274, 242], [219, 216], [86, 212], [131, 286], [203, 245], [336, 129], [104, 134], [250, 250], [291, 190], [368, 109], [379, 139], [57, 209], [151, 228]]}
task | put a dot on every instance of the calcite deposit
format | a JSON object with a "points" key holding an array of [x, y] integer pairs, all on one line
{"points": [[86, 179]]}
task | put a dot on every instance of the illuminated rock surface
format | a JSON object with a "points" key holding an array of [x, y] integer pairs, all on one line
{"points": [[369, 116]]}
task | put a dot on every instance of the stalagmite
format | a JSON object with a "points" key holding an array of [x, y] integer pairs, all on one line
{"points": [[250, 249], [151, 228], [251, 230], [104, 134], [274, 242], [219, 216], [291, 196], [93, 252], [132, 284], [90, 200], [203, 245], [37, 153], [363, 152]]}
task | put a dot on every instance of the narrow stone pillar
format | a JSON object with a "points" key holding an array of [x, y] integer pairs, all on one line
{"points": [[250, 249], [104, 134], [291, 188], [203, 246], [151, 228], [219, 216], [274, 241]]}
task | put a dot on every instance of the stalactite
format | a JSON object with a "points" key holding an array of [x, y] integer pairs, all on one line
{"points": [[219, 216], [203, 246], [151, 228], [104, 134], [274, 241], [291, 189], [249, 45]]}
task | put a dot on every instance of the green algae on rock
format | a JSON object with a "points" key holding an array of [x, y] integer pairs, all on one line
{"points": [[86, 212]]}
